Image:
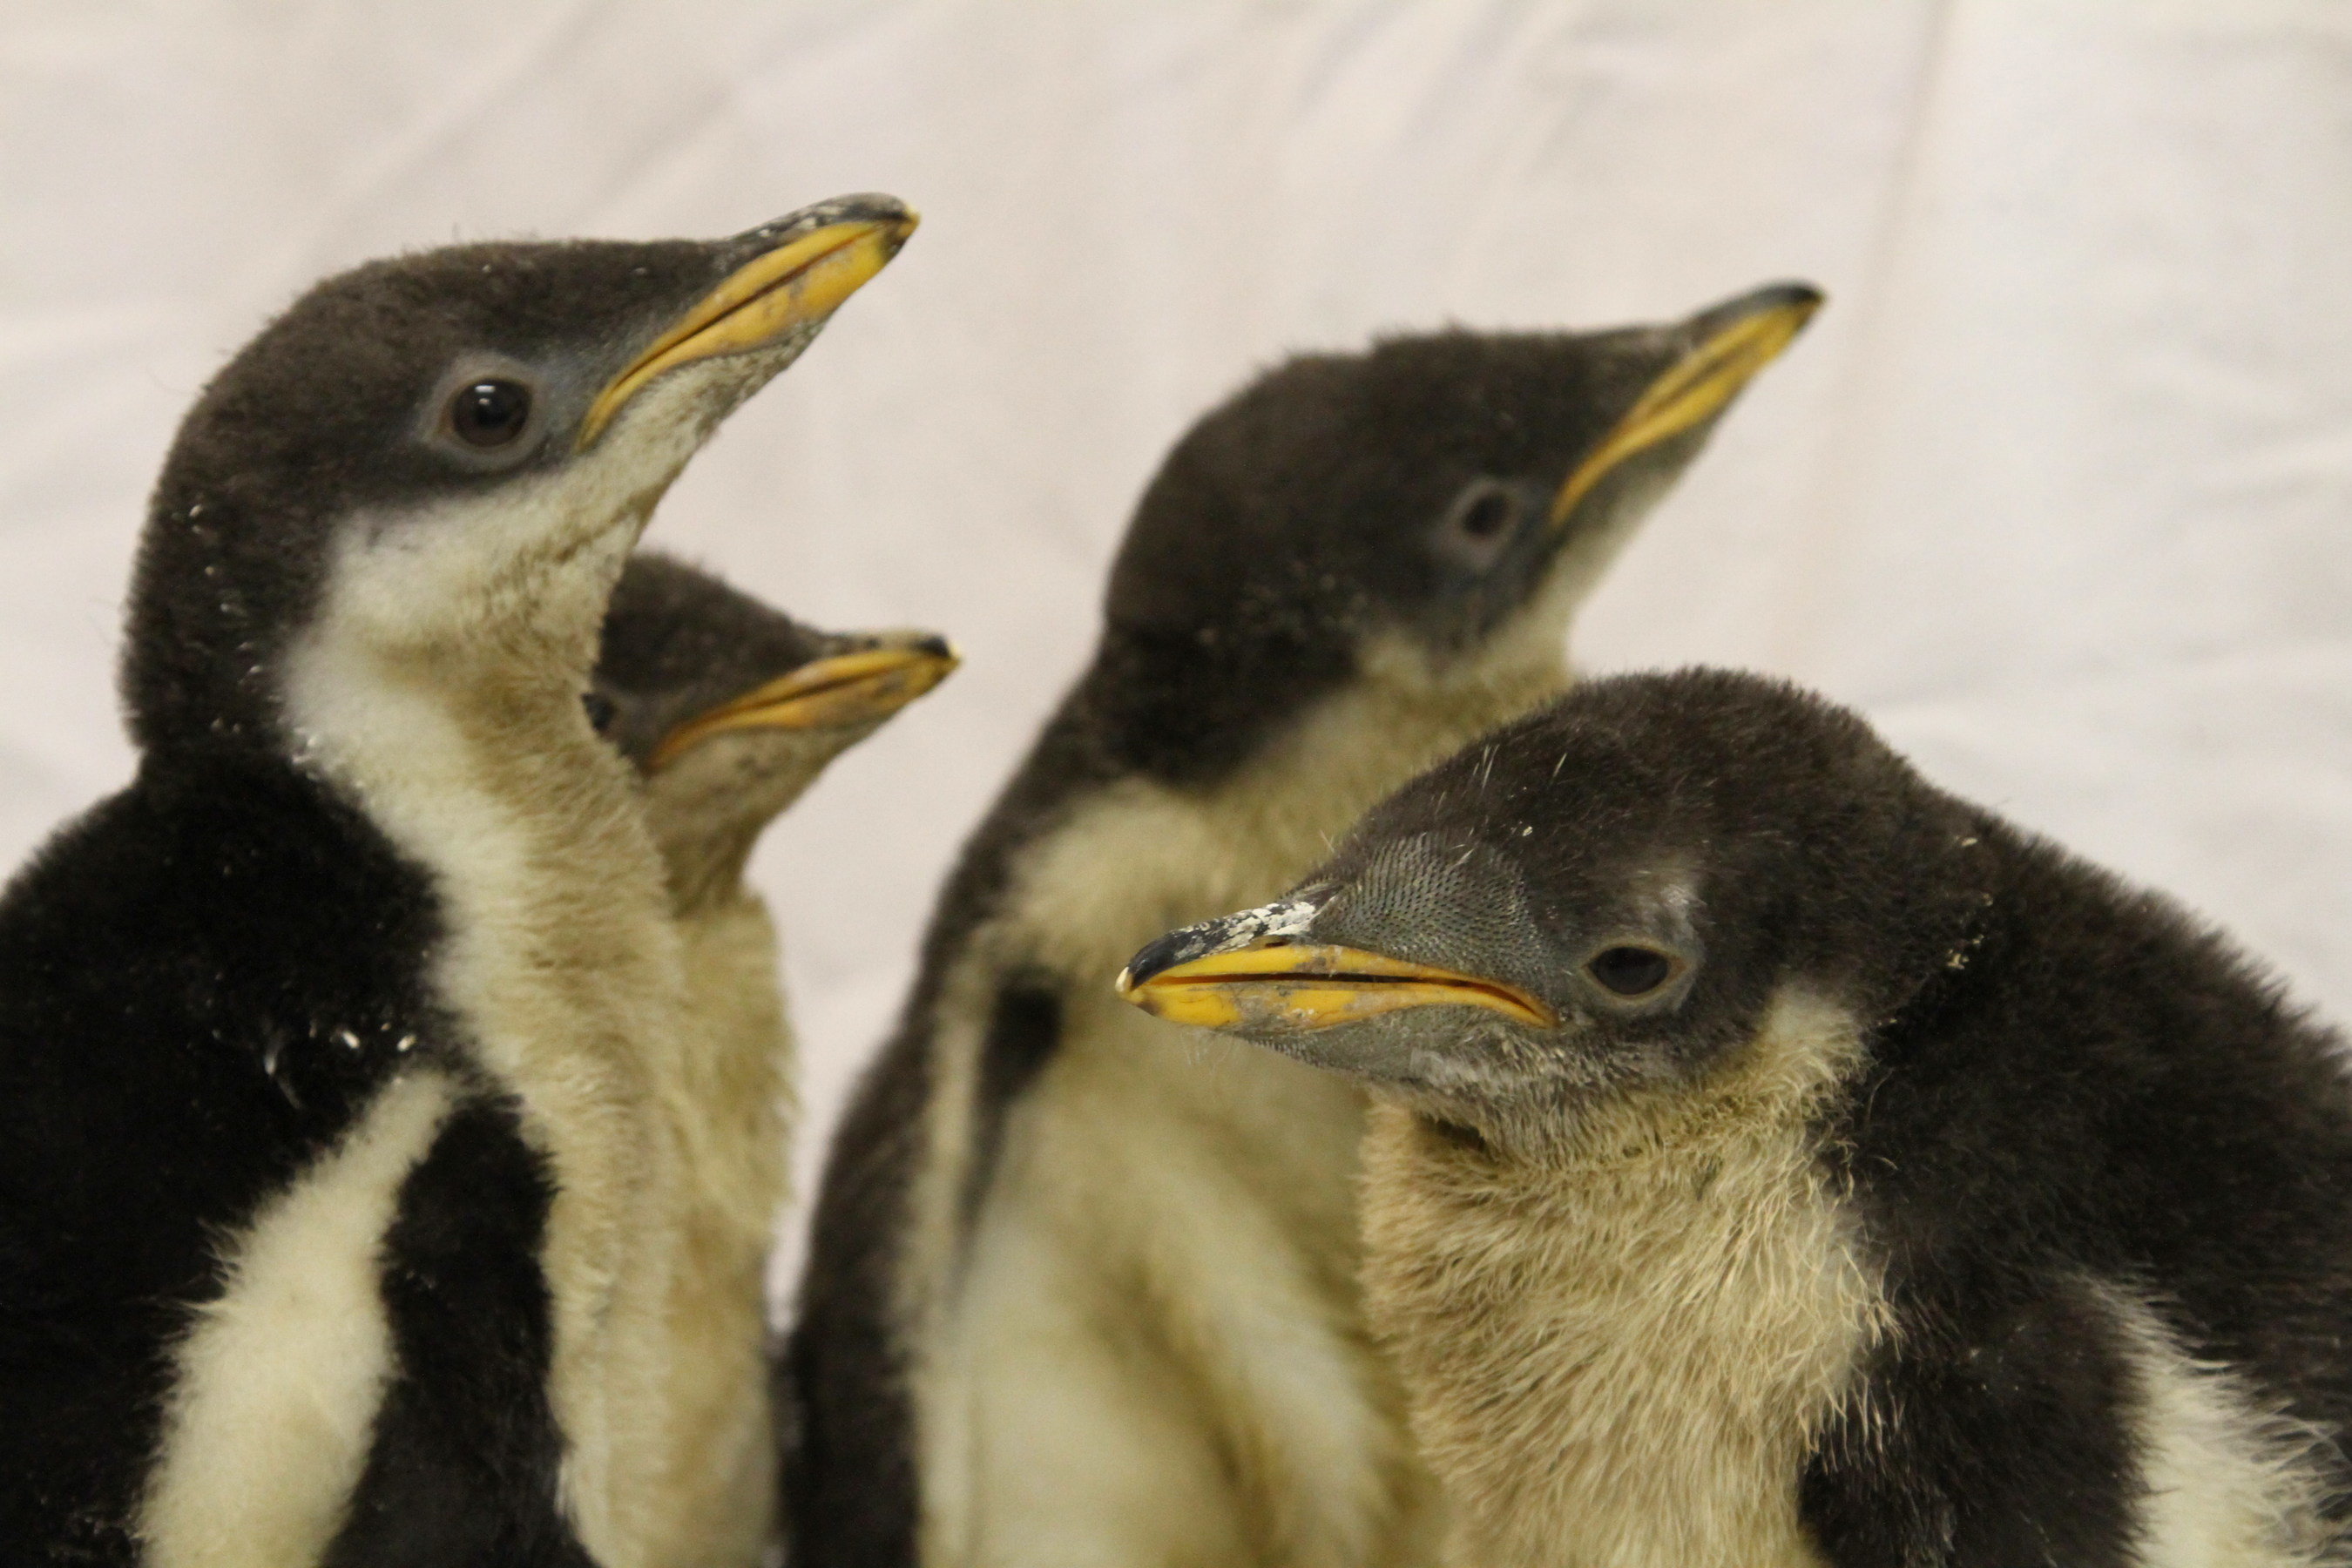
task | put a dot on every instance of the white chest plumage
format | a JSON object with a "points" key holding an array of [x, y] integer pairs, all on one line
{"points": [[279, 1378]]}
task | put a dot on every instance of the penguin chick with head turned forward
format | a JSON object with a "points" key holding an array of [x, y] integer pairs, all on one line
{"points": [[1780, 1160], [1062, 1308], [729, 710], [335, 1194]]}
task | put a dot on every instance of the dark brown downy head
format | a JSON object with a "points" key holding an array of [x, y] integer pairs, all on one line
{"points": [[729, 709], [1437, 505], [1613, 891], [448, 456]]}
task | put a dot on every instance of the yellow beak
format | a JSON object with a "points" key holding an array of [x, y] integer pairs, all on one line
{"points": [[865, 686], [1692, 391], [790, 286], [1289, 988]]}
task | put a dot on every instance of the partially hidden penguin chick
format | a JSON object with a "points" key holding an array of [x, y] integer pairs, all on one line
{"points": [[1061, 1307], [1779, 1160], [335, 1191], [729, 710]]}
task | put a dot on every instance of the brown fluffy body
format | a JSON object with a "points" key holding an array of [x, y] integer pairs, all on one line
{"points": [[729, 1100], [1658, 1304], [1929, 1197]]}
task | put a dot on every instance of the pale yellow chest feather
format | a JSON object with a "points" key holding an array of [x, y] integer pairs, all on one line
{"points": [[1147, 1347], [728, 1093], [1619, 1351]]}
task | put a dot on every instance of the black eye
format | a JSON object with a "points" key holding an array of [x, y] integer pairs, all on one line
{"points": [[601, 711], [490, 413], [1480, 524], [1630, 971], [1487, 516]]}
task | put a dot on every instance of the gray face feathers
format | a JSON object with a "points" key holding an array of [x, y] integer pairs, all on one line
{"points": [[1428, 489], [1609, 891], [449, 383]]}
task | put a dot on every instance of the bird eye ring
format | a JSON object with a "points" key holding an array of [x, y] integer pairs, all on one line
{"points": [[1631, 971], [1480, 523], [1488, 515], [490, 412]]}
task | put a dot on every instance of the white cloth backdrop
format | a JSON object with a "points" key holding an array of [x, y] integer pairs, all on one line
{"points": [[2058, 489]]}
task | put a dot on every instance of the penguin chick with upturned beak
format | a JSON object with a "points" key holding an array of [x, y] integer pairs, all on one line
{"points": [[336, 1195], [1780, 1160], [729, 710], [1060, 1310]]}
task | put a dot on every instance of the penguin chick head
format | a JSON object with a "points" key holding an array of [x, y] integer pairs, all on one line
{"points": [[448, 456], [728, 709], [1613, 891], [1429, 513]]}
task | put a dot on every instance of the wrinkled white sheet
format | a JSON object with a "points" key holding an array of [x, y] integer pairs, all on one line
{"points": [[2058, 489]]}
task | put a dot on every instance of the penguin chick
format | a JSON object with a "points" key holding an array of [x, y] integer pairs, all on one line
{"points": [[728, 709], [1060, 1310], [334, 1192], [1781, 1160]]}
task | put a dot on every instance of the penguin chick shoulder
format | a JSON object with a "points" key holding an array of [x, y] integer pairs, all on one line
{"points": [[1781, 1160], [728, 709], [334, 1196], [1058, 1309]]}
